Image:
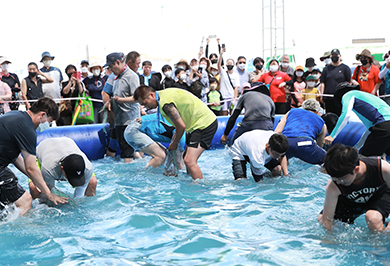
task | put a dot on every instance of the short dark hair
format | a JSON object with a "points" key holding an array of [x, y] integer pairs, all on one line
{"points": [[273, 60], [258, 60], [142, 91], [46, 105], [32, 64], [213, 54], [241, 57], [69, 67], [212, 80], [278, 142], [341, 160], [132, 56], [146, 62], [177, 71], [166, 67]]}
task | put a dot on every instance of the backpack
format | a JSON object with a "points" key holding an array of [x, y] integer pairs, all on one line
{"points": [[196, 88]]}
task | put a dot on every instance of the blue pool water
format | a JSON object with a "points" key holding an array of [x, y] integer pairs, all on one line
{"points": [[140, 217]]}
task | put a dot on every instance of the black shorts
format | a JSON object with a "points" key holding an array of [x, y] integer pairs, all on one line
{"points": [[126, 150], [10, 190], [347, 211], [202, 136], [378, 142]]}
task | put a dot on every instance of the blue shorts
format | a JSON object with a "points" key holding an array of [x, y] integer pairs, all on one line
{"points": [[135, 138], [305, 149]]}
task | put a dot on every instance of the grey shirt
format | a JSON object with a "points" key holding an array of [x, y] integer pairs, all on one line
{"points": [[124, 86], [258, 106], [289, 71], [51, 151]]}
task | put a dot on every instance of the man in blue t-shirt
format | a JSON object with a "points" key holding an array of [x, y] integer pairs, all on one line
{"points": [[19, 136]]}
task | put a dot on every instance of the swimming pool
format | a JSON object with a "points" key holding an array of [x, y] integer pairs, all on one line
{"points": [[140, 217]]}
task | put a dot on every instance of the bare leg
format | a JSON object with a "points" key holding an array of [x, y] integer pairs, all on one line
{"points": [[191, 161], [157, 153], [110, 154], [24, 203]]}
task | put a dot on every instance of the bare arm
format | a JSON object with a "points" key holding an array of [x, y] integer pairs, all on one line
{"points": [[331, 197], [174, 115], [283, 164], [220, 60], [321, 136], [47, 79], [282, 123], [24, 93], [129, 99], [19, 163], [376, 89], [36, 176], [106, 100]]}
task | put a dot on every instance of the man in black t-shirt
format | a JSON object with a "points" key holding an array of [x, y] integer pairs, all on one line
{"points": [[18, 135], [331, 76], [357, 186]]}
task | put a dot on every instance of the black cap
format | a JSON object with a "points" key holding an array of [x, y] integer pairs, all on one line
{"points": [[111, 58], [74, 168], [310, 62], [335, 51], [84, 61], [341, 89]]}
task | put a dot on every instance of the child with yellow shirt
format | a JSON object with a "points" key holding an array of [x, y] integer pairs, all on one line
{"points": [[314, 93]]}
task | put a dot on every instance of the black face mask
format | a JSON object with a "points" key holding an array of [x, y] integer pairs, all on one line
{"points": [[364, 61], [214, 61], [334, 58], [32, 74], [259, 67], [69, 75], [229, 67]]}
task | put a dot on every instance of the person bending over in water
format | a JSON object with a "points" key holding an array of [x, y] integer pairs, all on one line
{"points": [[187, 113], [261, 148], [357, 186], [60, 159]]}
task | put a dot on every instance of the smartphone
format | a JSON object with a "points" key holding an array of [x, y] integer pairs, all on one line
{"points": [[200, 70], [212, 36], [223, 45], [76, 74]]}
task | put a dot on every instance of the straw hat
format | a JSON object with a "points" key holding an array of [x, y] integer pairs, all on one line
{"points": [[365, 53], [95, 64]]}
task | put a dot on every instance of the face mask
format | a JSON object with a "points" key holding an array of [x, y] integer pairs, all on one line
{"points": [[84, 70], [241, 66], [327, 61], [299, 73], [229, 67], [181, 67], [168, 74], [96, 72], [310, 69], [203, 66], [335, 58], [316, 76], [364, 61], [32, 74], [259, 67], [183, 77], [69, 75], [285, 65], [5, 67], [195, 67], [273, 68], [214, 61], [47, 63], [311, 84], [214, 73], [213, 87]]}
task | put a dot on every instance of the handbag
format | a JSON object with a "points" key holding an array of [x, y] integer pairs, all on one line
{"points": [[83, 111]]}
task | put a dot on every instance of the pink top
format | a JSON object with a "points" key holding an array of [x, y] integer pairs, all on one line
{"points": [[4, 90]]}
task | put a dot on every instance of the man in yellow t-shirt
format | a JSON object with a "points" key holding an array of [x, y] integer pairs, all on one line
{"points": [[187, 113]]}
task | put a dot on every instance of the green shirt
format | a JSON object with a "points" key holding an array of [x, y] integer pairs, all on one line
{"points": [[195, 114]]}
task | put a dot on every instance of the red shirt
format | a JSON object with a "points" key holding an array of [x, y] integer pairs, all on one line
{"points": [[278, 95], [367, 83]]}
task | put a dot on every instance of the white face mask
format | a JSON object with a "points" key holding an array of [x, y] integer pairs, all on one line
{"points": [[195, 67], [183, 77], [84, 70], [299, 73], [316, 76], [285, 65], [5, 67], [168, 74], [213, 87], [203, 66], [273, 68], [47, 63], [311, 84], [241, 66], [96, 72], [327, 61], [310, 69], [214, 73]]}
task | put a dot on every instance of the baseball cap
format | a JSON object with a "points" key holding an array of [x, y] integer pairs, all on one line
{"points": [[84, 61], [111, 58], [310, 77], [335, 51], [74, 168]]}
